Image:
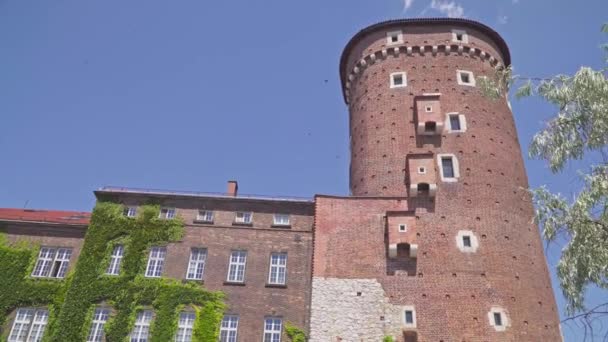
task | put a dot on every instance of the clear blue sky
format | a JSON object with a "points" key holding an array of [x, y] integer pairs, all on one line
{"points": [[188, 94]]}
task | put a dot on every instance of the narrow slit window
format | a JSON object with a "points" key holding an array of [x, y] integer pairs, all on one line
{"points": [[447, 167], [455, 122], [497, 319], [466, 241], [409, 317]]}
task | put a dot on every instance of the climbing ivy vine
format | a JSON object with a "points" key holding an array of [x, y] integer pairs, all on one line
{"points": [[71, 301]]}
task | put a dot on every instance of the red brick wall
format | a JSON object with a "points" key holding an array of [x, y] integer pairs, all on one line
{"points": [[452, 291]]}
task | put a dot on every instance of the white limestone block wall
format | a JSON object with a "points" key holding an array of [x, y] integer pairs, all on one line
{"points": [[352, 310]]}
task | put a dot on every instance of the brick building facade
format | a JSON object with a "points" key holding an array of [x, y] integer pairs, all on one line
{"points": [[435, 243]]}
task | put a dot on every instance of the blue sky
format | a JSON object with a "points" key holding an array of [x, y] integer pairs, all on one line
{"points": [[188, 94]]}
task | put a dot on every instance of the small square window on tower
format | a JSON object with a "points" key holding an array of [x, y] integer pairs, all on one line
{"points": [[460, 36], [456, 123], [422, 170], [465, 78], [394, 37], [466, 241], [428, 109], [398, 80], [402, 228]]}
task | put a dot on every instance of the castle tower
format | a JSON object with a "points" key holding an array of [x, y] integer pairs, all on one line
{"points": [[437, 242]]}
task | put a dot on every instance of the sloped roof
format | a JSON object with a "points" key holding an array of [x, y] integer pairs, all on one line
{"points": [[45, 216]]}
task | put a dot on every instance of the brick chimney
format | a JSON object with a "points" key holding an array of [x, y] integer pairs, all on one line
{"points": [[233, 188]]}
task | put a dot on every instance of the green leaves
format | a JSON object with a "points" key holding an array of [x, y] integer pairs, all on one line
{"points": [[71, 301]]}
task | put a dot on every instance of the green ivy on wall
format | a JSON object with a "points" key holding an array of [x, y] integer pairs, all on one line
{"points": [[72, 301], [294, 333]]}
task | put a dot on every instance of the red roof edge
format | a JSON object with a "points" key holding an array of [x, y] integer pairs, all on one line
{"points": [[45, 216]]}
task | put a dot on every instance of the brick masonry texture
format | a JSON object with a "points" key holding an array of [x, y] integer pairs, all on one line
{"points": [[452, 291], [341, 283]]}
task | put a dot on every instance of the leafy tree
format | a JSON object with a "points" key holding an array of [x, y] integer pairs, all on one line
{"points": [[578, 130]]}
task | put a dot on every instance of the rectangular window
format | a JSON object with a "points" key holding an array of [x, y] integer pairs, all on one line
{"points": [[466, 241], [205, 216], [29, 325], [398, 80], [167, 213], [278, 268], [115, 260], [52, 262], [394, 37], [100, 317], [141, 329], [281, 219], [272, 329], [460, 36], [228, 329], [447, 167], [465, 78], [156, 260], [403, 228], [236, 269], [409, 317], [497, 319], [130, 211], [243, 217], [184, 327], [455, 122], [196, 265]]}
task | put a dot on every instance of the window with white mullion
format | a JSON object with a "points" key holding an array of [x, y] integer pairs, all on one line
{"points": [[156, 261], [229, 328], [100, 317], [272, 329], [196, 265], [184, 327], [167, 213], [21, 325], [44, 263], [205, 216], [243, 217], [236, 270], [278, 268], [142, 326], [52, 262], [115, 260], [281, 220]]}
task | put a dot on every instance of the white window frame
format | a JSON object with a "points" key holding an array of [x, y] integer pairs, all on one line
{"points": [[204, 216], [53, 262], [506, 322], [460, 241], [141, 328], [281, 220], [185, 326], [403, 78], [29, 323], [277, 273], [243, 217], [391, 34], [471, 82], [273, 327], [461, 119], [402, 228], [130, 211], [463, 33], [196, 263], [237, 266], [455, 166], [403, 320], [156, 261], [428, 109], [421, 170], [229, 328], [118, 253], [96, 332], [167, 213]]}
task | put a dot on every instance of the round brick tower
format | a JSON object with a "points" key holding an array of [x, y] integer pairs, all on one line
{"points": [[461, 247]]}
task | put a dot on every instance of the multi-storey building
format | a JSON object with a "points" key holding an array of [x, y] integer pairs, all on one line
{"points": [[435, 242]]}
